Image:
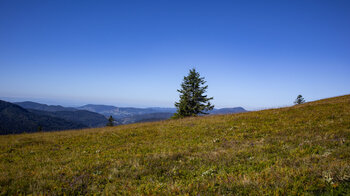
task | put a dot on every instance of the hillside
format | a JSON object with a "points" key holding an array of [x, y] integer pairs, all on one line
{"points": [[303, 149], [15, 119], [87, 118], [84, 117], [44, 107]]}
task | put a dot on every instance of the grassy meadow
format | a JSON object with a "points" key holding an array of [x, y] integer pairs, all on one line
{"points": [[304, 149]]}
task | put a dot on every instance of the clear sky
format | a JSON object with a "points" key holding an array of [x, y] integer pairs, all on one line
{"points": [[255, 54]]}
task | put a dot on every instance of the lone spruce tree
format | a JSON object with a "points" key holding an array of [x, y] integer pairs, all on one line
{"points": [[299, 100], [192, 99]]}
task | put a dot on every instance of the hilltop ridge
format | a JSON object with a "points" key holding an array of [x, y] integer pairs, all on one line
{"points": [[303, 149]]}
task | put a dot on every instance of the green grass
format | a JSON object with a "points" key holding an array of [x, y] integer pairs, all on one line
{"points": [[303, 149]]}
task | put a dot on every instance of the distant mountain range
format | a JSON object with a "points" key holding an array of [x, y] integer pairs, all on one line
{"points": [[31, 116], [122, 112], [87, 118], [148, 117], [43, 107], [127, 115], [15, 119], [228, 110]]}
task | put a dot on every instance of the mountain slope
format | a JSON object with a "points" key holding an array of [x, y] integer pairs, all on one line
{"points": [[15, 119], [299, 150], [98, 108], [43, 107], [87, 118]]}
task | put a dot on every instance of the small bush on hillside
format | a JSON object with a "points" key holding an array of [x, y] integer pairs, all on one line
{"points": [[110, 121], [299, 100]]}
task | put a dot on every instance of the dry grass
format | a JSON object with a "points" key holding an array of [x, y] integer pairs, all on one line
{"points": [[303, 149]]}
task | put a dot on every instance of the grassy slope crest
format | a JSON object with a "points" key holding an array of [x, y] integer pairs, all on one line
{"points": [[293, 150]]}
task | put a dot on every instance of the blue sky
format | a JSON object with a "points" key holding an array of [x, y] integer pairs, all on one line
{"points": [[255, 54]]}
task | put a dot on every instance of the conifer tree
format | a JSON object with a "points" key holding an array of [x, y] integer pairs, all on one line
{"points": [[299, 100], [192, 99], [110, 121]]}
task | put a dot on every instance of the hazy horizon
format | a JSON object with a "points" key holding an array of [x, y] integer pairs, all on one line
{"points": [[253, 54], [67, 103]]}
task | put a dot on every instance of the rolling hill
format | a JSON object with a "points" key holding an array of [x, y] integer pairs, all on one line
{"points": [[15, 119], [43, 107], [299, 150], [87, 118]]}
